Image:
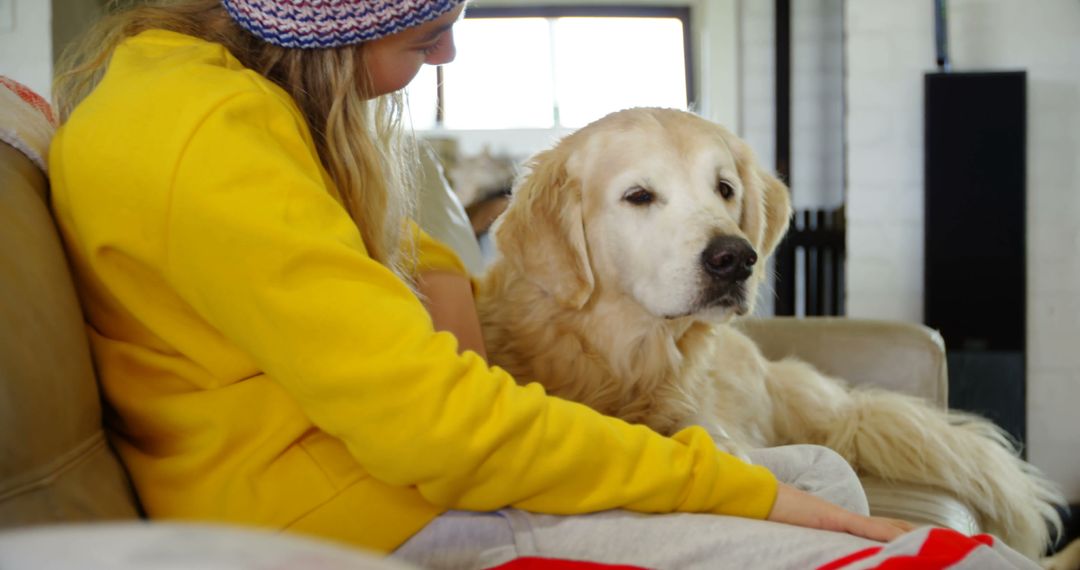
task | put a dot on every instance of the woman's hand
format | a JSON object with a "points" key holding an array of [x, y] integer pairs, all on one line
{"points": [[799, 508]]}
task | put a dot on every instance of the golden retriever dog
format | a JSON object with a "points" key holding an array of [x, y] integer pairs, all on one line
{"points": [[625, 253]]}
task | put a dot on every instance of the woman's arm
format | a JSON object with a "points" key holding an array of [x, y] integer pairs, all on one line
{"points": [[448, 297], [799, 508]]}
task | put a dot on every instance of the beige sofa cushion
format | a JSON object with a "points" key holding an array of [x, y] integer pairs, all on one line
{"points": [[55, 464], [902, 357], [919, 504]]}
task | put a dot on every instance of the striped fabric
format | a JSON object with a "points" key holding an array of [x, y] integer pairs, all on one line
{"points": [[929, 548], [27, 121], [311, 24]]}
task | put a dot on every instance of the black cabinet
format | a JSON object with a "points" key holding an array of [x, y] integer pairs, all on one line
{"points": [[975, 273]]}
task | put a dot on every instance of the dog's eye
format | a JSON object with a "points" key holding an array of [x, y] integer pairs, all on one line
{"points": [[726, 190], [639, 196]]}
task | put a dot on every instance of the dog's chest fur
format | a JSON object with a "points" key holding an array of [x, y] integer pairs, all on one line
{"points": [[664, 374]]}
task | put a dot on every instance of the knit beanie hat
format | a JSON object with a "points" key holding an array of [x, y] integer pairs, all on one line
{"points": [[332, 23]]}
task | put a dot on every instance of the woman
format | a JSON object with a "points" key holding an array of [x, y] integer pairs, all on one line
{"points": [[234, 195]]}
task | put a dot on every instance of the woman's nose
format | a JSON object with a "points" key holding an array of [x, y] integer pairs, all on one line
{"points": [[445, 53]]}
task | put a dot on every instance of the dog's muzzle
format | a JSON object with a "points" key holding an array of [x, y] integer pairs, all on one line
{"points": [[728, 262]]}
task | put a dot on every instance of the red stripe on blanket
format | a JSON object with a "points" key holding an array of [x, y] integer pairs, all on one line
{"points": [[533, 563], [941, 549], [30, 98]]}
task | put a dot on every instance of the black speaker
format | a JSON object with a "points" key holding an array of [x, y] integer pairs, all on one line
{"points": [[975, 273]]}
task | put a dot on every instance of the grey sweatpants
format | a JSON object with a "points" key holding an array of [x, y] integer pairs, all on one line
{"points": [[462, 540]]}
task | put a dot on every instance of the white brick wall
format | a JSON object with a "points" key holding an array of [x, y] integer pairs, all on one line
{"points": [[757, 105], [817, 95], [890, 46], [817, 85]]}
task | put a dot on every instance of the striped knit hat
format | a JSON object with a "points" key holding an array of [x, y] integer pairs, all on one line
{"points": [[332, 23]]}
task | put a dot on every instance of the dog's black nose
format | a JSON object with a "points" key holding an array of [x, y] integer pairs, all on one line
{"points": [[729, 258]]}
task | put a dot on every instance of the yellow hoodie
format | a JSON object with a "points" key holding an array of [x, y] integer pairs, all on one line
{"points": [[261, 369]]}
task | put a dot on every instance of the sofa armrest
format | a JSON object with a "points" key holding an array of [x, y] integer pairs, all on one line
{"points": [[893, 355]]}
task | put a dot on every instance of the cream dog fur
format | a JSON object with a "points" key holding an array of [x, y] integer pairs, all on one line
{"points": [[626, 251]]}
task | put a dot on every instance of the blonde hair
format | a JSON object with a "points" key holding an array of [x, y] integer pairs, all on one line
{"points": [[359, 138]]}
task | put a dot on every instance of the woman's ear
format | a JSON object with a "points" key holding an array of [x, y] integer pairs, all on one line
{"points": [[542, 231]]}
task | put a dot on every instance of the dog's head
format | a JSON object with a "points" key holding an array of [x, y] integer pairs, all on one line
{"points": [[659, 205]]}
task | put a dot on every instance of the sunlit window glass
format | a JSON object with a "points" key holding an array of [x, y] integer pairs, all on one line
{"points": [[502, 76], [515, 73], [606, 64]]}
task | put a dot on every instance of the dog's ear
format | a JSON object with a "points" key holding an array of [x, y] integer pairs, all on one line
{"points": [[777, 204], [542, 232], [766, 212], [767, 208]]}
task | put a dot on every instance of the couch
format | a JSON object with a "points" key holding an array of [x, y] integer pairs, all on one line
{"points": [[57, 466]]}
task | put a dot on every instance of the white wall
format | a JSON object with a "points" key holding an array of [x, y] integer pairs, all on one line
{"points": [[26, 43], [817, 167], [890, 46], [757, 78], [817, 103], [33, 32]]}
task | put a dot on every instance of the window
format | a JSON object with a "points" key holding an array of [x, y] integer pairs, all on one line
{"points": [[567, 67]]}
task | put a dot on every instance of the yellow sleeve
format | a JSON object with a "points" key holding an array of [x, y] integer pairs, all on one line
{"points": [[259, 248]]}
